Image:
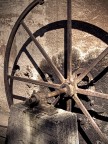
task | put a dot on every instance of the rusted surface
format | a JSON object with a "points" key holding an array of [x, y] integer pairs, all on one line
{"points": [[42, 83], [43, 52], [69, 40], [80, 91], [68, 85], [69, 49]]}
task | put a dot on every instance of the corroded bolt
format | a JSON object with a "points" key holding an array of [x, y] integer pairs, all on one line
{"points": [[34, 100], [69, 87]]}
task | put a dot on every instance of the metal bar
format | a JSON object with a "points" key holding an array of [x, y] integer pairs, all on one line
{"points": [[69, 47], [69, 105], [97, 60], [84, 110], [8, 49], [80, 91], [41, 83], [69, 41], [57, 92], [92, 93], [56, 101], [19, 97], [57, 72]]}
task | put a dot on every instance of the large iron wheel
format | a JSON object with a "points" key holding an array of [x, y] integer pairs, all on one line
{"points": [[69, 84]]}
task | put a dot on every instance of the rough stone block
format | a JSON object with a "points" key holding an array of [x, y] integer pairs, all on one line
{"points": [[43, 125]]}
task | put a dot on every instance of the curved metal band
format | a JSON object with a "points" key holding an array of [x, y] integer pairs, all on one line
{"points": [[8, 48]]}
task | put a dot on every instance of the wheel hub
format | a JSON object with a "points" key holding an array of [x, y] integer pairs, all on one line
{"points": [[70, 88]]}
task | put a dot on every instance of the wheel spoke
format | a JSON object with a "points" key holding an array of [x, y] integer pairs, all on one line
{"points": [[86, 113], [57, 72], [92, 93], [69, 51], [69, 105], [35, 65], [41, 83], [69, 41], [56, 101], [57, 92], [97, 60], [80, 91]]}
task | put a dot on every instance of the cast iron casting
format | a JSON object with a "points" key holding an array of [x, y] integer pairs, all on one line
{"points": [[68, 84]]}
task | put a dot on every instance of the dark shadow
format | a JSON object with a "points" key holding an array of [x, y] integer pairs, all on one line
{"points": [[91, 29], [62, 103], [92, 113], [84, 97], [83, 134], [98, 77], [97, 116]]}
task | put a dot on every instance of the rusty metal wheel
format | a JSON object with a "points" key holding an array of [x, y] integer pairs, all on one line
{"points": [[68, 84]]}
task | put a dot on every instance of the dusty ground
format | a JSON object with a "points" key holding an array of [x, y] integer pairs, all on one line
{"points": [[86, 47]]}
